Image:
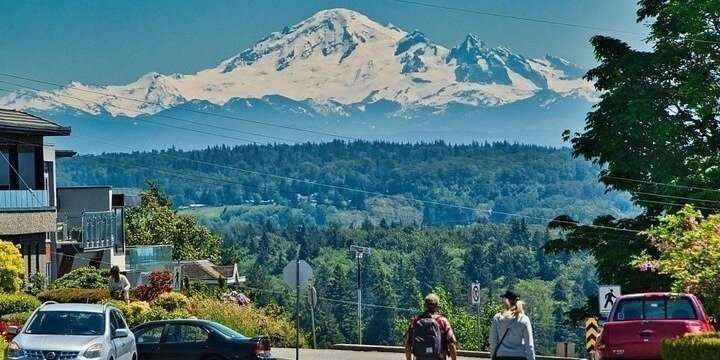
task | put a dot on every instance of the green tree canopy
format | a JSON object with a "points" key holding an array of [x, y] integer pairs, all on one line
{"points": [[654, 128], [153, 222]]}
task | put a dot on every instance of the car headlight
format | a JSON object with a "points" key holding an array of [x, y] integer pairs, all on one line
{"points": [[94, 351], [14, 351]]}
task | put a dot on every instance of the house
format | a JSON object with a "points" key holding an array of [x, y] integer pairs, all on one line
{"points": [[91, 223], [204, 271], [27, 187]]}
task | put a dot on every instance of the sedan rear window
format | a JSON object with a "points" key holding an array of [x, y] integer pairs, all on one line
{"points": [[655, 308]]}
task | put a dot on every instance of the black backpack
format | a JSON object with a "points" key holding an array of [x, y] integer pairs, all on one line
{"points": [[426, 338]]}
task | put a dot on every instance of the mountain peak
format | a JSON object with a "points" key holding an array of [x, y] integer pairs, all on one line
{"points": [[468, 51], [332, 31], [408, 41], [339, 14]]}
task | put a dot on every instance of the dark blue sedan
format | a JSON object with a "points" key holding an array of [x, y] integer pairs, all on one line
{"points": [[197, 340]]}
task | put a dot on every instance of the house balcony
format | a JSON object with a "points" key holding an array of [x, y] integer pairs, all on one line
{"points": [[23, 200], [26, 212]]}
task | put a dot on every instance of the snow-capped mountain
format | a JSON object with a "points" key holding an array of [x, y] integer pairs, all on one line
{"points": [[336, 64]]}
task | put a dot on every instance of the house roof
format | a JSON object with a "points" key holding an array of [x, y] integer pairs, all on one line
{"points": [[204, 270], [19, 122]]}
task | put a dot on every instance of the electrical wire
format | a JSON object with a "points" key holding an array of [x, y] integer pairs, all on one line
{"points": [[547, 22], [251, 133]]}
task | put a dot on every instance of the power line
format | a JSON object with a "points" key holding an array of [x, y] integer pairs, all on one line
{"points": [[514, 17], [183, 109], [659, 183], [166, 117], [546, 22], [368, 192], [240, 131]]}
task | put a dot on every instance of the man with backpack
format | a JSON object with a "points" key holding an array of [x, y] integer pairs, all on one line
{"points": [[430, 336]]}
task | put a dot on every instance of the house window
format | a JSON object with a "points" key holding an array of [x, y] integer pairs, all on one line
{"points": [[26, 167], [4, 168]]}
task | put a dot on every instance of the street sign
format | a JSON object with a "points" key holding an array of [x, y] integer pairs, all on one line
{"points": [[592, 330], [475, 293], [606, 298], [291, 273], [177, 277]]}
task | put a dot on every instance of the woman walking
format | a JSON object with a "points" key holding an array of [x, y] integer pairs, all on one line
{"points": [[511, 336]]}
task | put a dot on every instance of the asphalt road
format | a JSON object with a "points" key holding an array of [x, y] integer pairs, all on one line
{"points": [[306, 354]]}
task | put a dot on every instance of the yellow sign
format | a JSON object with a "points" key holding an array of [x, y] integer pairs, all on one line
{"points": [[592, 330]]}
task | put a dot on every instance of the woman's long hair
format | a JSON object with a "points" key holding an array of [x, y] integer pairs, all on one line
{"points": [[515, 310]]}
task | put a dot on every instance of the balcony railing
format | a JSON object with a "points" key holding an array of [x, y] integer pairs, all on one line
{"points": [[23, 199]]}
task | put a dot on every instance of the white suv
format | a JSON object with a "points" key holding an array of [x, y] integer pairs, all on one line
{"points": [[73, 331]]}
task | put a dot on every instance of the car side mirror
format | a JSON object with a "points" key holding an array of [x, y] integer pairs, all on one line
{"points": [[121, 333], [715, 321], [13, 330]]}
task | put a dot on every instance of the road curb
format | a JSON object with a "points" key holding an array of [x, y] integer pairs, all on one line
{"points": [[398, 349]]}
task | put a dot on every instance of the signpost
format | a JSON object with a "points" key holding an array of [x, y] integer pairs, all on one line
{"points": [[312, 299], [477, 295], [607, 295], [297, 274], [359, 252]]}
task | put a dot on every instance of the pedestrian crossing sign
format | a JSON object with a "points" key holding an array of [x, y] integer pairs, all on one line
{"points": [[607, 296]]}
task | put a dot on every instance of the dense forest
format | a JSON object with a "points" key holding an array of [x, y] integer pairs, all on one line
{"points": [[428, 183], [404, 263]]}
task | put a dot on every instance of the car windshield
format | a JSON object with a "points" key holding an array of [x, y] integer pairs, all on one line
{"points": [[227, 332], [66, 323]]}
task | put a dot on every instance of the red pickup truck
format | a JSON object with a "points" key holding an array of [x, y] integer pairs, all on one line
{"points": [[638, 323]]}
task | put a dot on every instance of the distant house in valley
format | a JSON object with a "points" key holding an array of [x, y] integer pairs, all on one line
{"points": [[204, 271]]}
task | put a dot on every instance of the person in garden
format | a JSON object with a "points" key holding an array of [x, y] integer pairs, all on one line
{"points": [[118, 285], [511, 335]]}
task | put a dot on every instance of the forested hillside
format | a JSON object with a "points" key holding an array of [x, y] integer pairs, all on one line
{"points": [[405, 262], [433, 183]]}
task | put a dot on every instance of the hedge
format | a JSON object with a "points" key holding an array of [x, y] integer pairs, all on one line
{"points": [[82, 278], [172, 301], [15, 303], [91, 296], [692, 347], [3, 345], [20, 317]]}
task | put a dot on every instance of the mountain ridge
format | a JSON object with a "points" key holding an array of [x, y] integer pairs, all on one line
{"points": [[348, 58]]}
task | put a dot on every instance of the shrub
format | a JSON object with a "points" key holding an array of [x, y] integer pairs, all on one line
{"points": [[36, 284], [12, 267], [91, 296], [692, 346], [248, 320], [82, 278], [172, 301], [20, 317], [4, 325], [3, 346], [159, 282], [138, 312], [15, 303]]}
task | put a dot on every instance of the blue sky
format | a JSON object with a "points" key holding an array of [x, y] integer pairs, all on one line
{"points": [[114, 42]]}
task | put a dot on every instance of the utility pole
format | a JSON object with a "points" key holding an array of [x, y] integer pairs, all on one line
{"points": [[359, 251]]}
